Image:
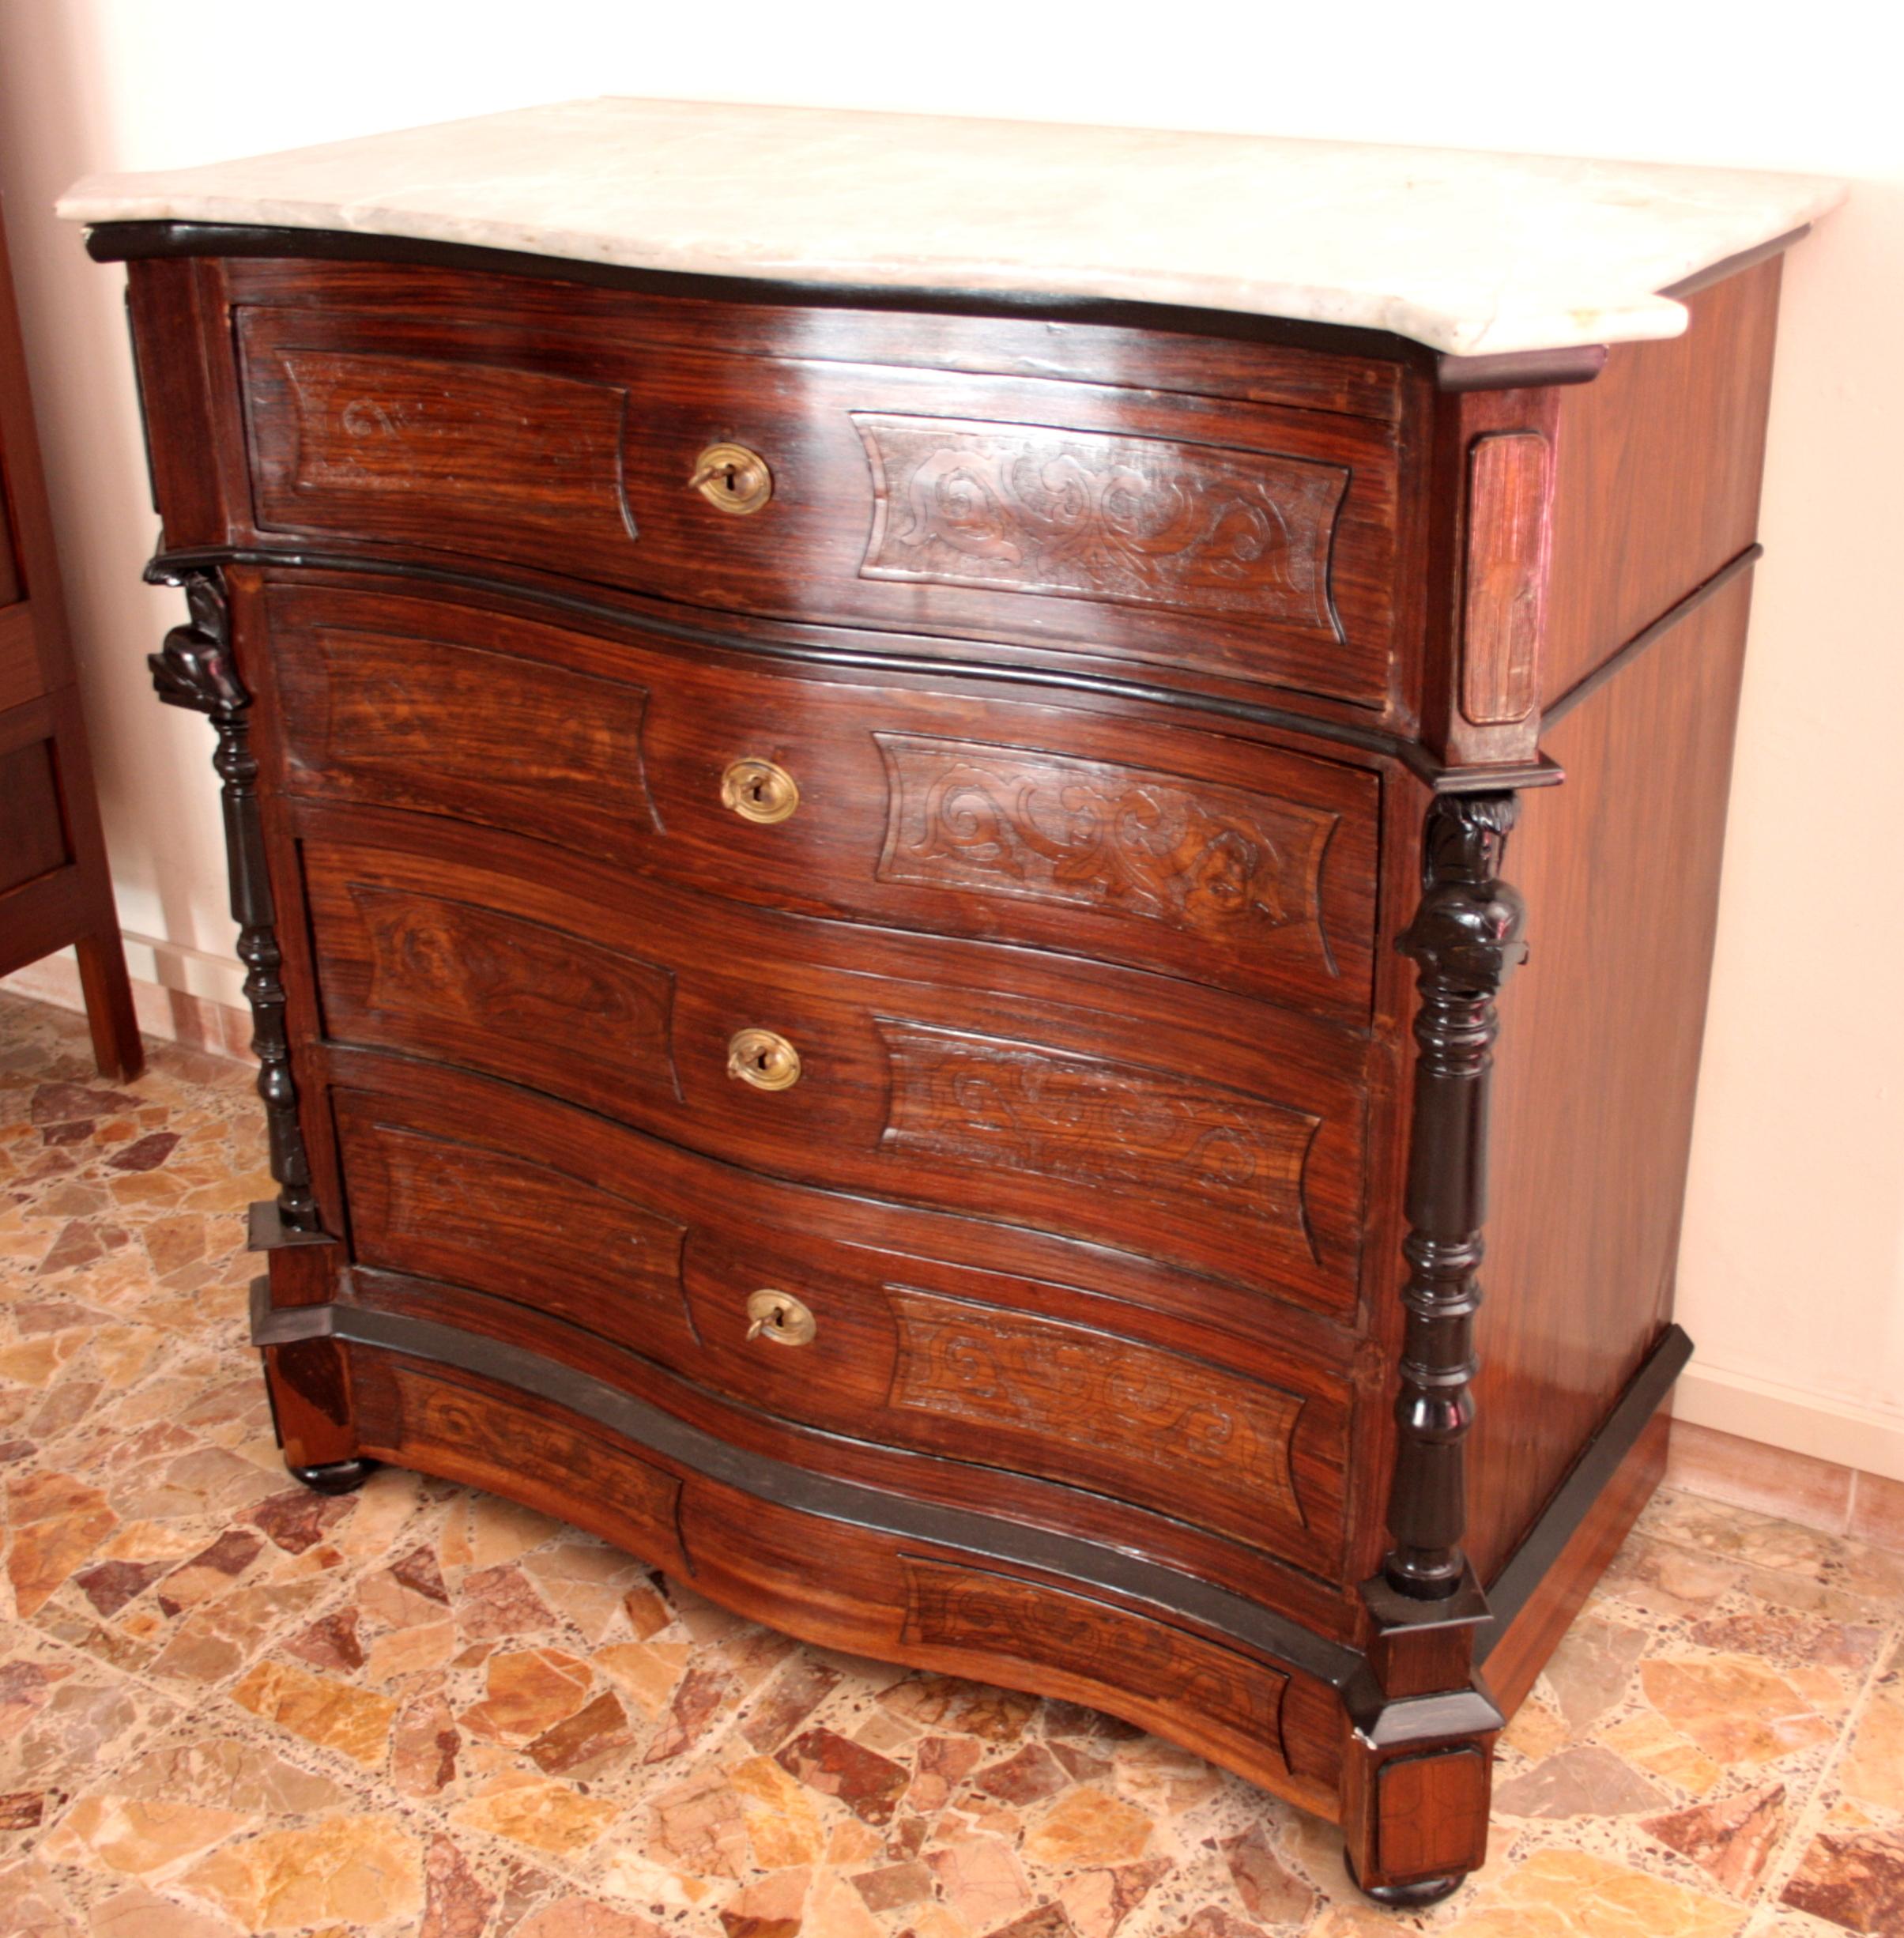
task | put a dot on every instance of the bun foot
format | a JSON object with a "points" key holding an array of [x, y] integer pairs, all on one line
{"points": [[1415, 1895], [336, 1477]]}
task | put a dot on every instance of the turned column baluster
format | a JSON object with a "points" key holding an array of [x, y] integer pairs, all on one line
{"points": [[1464, 940], [194, 669]]}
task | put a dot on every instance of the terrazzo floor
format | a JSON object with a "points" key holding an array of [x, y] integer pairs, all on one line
{"points": [[229, 1705]]}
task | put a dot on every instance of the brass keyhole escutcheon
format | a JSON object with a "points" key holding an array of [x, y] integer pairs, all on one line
{"points": [[780, 1316], [761, 1058], [757, 790], [733, 478]]}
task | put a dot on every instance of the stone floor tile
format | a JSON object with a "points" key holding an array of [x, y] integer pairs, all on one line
{"points": [[228, 1706]]}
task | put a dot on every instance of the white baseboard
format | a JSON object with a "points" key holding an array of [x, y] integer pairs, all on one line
{"points": [[1785, 1417], [162, 965], [192, 972], [182, 995]]}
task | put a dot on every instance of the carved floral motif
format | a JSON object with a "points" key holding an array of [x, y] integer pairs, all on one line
{"points": [[1083, 515], [1213, 861]]}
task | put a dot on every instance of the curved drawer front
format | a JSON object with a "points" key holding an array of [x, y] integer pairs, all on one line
{"points": [[1224, 862], [662, 1251], [1241, 540], [959, 1076]]}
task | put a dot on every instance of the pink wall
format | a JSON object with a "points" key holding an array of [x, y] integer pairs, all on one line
{"points": [[1797, 1196]]}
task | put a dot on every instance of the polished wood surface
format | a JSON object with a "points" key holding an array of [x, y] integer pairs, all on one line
{"points": [[1658, 469], [56, 888], [935, 1610], [1222, 1138], [1243, 539], [1606, 1021], [660, 1254], [971, 813], [828, 877]]}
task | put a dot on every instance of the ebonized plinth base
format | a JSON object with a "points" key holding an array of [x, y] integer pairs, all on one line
{"points": [[336, 1477], [1414, 1896]]}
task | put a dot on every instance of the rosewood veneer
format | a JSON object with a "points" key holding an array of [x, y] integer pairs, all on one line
{"points": [[879, 919]]}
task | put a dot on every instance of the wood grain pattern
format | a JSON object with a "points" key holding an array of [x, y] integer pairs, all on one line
{"points": [[1112, 662], [430, 466], [1135, 521], [1656, 472], [623, 996], [466, 453], [1509, 474], [33, 831], [1515, 1661], [1432, 1815], [1620, 869], [990, 1618], [1085, 833], [402, 720], [443, 1207], [1226, 863], [1241, 866], [1209, 1439], [519, 998], [1020, 1107], [443, 1426], [755, 1555], [652, 1249]]}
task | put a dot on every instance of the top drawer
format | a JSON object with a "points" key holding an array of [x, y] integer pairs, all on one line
{"points": [[1250, 541]]}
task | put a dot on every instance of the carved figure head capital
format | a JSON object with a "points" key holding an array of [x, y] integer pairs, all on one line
{"points": [[194, 668], [1467, 935]]}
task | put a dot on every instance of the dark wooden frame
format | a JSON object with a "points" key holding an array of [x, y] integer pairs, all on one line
{"points": [[55, 813]]}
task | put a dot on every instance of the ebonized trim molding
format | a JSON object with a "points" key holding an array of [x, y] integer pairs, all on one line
{"points": [[793, 1487], [1575, 1497], [132, 242], [1617, 663], [1539, 773]]}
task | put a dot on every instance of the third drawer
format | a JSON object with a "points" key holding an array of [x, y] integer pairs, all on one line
{"points": [[1217, 1136]]}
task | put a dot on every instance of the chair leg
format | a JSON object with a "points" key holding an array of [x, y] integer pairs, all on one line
{"points": [[117, 1048]]}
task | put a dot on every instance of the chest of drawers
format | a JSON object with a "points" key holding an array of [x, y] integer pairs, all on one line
{"points": [[875, 917]]}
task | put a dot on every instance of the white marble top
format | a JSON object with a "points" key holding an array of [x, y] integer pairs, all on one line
{"points": [[1466, 252]]}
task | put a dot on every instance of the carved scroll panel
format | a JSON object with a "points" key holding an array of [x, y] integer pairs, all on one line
{"points": [[1086, 514], [1219, 863]]}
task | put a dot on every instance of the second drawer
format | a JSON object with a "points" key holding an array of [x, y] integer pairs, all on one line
{"points": [[1225, 862]]}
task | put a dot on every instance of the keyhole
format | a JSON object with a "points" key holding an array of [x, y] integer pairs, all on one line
{"points": [[733, 478]]}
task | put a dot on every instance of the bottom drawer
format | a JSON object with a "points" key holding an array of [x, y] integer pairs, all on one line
{"points": [[855, 1581], [455, 1179]]}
